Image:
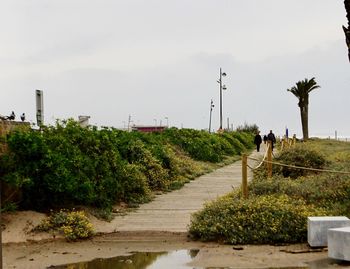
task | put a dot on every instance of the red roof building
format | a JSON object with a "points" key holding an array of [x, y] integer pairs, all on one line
{"points": [[148, 129]]}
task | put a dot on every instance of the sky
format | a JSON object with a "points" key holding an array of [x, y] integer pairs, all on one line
{"points": [[158, 61]]}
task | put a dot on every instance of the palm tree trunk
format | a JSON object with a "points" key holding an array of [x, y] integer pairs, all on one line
{"points": [[305, 121], [347, 30], [347, 8]]}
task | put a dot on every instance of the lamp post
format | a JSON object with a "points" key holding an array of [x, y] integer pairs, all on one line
{"points": [[211, 110], [222, 87]]}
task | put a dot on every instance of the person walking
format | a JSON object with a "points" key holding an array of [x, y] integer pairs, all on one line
{"points": [[265, 139], [271, 137], [257, 141]]}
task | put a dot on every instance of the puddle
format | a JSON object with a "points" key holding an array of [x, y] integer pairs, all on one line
{"points": [[175, 260], [140, 260]]}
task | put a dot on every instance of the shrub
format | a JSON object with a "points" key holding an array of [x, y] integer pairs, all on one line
{"points": [[8, 207], [327, 190], [151, 167], [65, 165], [203, 146], [245, 138], [258, 220], [74, 225], [300, 155], [248, 128]]}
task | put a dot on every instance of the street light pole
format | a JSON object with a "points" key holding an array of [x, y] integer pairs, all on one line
{"points": [[222, 87], [211, 110]]}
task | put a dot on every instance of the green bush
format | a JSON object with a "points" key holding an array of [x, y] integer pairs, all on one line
{"points": [[299, 155], [73, 224], [247, 139], [327, 191], [203, 146], [65, 165], [156, 175], [258, 220]]}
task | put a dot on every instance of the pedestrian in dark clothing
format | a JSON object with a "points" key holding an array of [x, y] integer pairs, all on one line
{"points": [[271, 137], [257, 141], [23, 117], [265, 139]]}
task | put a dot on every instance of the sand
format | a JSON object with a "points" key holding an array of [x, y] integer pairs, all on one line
{"points": [[24, 249]]}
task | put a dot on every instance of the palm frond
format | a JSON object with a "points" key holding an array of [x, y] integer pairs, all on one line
{"points": [[303, 88]]}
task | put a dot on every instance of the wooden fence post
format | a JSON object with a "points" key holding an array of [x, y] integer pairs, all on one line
{"points": [[269, 159], [245, 176]]}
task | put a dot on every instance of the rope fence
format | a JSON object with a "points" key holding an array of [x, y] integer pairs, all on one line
{"points": [[300, 167], [261, 162], [267, 159]]}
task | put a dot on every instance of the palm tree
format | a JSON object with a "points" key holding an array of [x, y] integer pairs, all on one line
{"points": [[347, 30], [301, 91]]}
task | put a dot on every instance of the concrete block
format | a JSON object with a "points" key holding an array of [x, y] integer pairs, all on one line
{"points": [[339, 243], [317, 228]]}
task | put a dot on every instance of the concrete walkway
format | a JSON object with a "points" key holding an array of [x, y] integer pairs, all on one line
{"points": [[171, 212]]}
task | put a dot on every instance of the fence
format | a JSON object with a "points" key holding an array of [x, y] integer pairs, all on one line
{"points": [[267, 159]]}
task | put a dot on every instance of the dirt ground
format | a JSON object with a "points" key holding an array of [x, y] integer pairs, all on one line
{"points": [[23, 249]]}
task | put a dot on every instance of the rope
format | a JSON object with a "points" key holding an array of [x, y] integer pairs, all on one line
{"points": [[304, 168], [262, 161]]}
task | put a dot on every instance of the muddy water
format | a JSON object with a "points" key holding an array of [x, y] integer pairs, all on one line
{"points": [[174, 260], [140, 260]]}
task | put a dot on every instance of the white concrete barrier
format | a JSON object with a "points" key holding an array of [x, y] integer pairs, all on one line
{"points": [[317, 228], [339, 243]]}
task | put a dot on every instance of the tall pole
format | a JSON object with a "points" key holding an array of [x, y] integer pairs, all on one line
{"points": [[220, 82], [222, 87]]}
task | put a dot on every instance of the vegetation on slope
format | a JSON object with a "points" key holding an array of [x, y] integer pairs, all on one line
{"points": [[67, 165], [277, 208]]}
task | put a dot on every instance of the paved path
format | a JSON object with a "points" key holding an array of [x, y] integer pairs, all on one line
{"points": [[171, 212]]}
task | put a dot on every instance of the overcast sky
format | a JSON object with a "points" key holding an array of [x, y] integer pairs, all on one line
{"points": [[160, 59]]}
